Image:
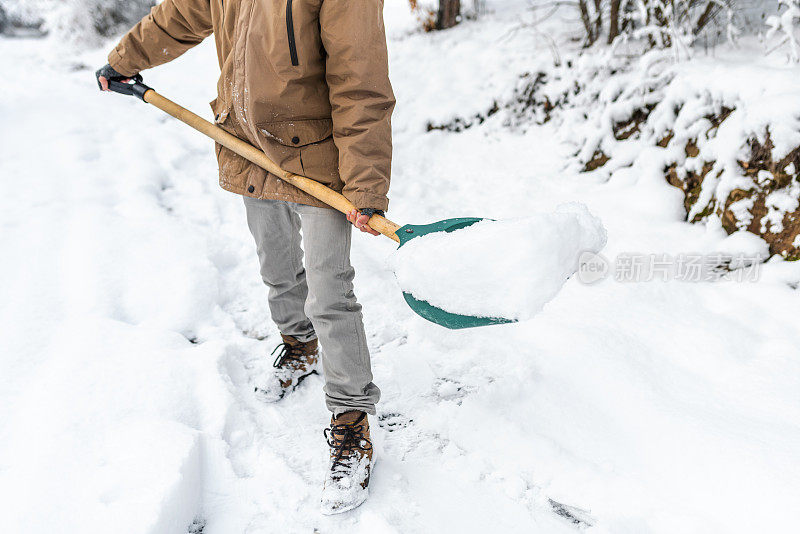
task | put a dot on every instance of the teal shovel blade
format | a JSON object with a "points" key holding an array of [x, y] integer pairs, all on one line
{"points": [[425, 309]]}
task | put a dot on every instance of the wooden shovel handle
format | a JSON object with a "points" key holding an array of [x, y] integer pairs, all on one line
{"points": [[248, 151]]}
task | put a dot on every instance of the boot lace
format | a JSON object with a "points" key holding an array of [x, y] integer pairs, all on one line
{"points": [[288, 353], [345, 439]]}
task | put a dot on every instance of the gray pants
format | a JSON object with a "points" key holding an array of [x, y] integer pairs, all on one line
{"points": [[318, 300]]}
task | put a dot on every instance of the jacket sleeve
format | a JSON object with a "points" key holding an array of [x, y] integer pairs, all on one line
{"points": [[357, 73], [171, 28]]}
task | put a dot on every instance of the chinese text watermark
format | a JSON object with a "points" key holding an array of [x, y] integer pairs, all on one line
{"points": [[685, 267]]}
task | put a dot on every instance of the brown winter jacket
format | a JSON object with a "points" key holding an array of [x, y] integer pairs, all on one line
{"points": [[305, 80]]}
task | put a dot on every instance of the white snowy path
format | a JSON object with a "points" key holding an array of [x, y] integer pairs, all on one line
{"points": [[132, 320]]}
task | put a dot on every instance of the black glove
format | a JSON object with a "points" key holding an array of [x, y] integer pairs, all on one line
{"points": [[369, 212], [109, 74]]}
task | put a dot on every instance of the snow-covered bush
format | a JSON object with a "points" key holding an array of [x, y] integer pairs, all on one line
{"points": [[782, 28], [732, 149], [82, 22], [18, 14], [675, 24], [88, 21]]}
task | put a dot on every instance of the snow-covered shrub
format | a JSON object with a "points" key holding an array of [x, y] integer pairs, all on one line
{"points": [[19, 15], [534, 100], [83, 22], [732, 149], [782, 28], [675, 24], [88, 21], [662, 24]]}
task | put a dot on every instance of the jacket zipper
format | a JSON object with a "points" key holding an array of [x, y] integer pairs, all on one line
{"points": [[290, 33]]}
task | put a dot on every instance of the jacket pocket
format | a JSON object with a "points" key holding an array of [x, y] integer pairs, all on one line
{"points": [[304, 147], [290, 34], [297, 133]]}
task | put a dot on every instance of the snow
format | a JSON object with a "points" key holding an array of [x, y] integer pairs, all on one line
{"points": [[133, 321], [507, 269], [778, 203], [744, 243]]}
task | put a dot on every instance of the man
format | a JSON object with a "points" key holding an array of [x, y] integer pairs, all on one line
{"points": [[307, 82]]}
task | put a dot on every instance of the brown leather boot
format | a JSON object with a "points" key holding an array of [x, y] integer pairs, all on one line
{"points": [[347, 481], [295, 361]]}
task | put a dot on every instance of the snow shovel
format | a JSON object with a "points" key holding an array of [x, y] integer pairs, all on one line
{"points": [[400, 234]]}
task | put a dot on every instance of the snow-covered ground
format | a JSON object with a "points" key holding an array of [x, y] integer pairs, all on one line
{"points": [[133, 320]]}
